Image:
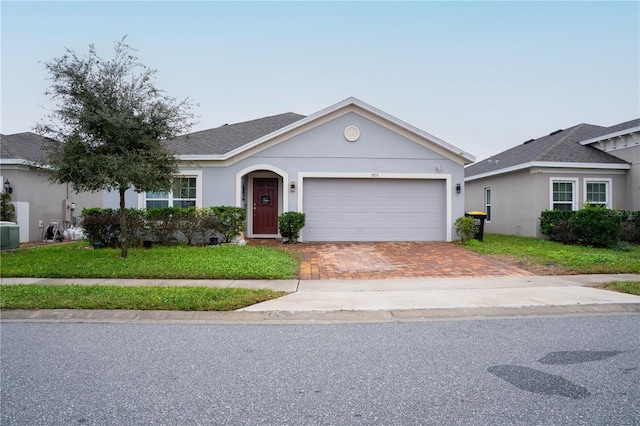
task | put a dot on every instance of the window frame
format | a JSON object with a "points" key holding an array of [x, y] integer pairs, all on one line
{"points": [[487, 203], [574, 192], [608, 182], [197, 174]]}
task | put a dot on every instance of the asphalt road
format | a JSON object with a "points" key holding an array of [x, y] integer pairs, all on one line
{"points": [[553, 370]]}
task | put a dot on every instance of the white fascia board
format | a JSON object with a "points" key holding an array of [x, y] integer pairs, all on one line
{"points": [[13, 161], [517, 167], [611, 135], [324, 112]]}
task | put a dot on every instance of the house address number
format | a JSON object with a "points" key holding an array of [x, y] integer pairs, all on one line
{"points": [[374, 175]]}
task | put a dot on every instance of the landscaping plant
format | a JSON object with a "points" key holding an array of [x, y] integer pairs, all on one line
{"points": [[289, 225], [466, 228]]}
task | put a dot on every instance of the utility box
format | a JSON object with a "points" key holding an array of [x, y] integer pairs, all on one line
{"points": [[9, 235], [480, 217]]}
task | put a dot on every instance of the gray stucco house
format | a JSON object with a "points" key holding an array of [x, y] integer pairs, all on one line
{"points": [[358, 174], [563, 170], [38, 202]]}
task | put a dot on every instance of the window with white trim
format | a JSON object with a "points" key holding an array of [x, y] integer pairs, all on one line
{"points": [[597, 192], [183, 194], [563, 194], [487, 203]]}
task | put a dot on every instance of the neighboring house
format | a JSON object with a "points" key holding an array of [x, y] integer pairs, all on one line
{"points": [[38, 202], [561, 171], [357, 173]]}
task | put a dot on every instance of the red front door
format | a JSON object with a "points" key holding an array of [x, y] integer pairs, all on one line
{"points": [[265, 205]]}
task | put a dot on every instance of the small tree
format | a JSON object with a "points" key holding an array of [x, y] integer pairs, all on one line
{"points": [[7, 210], [108, 128]]}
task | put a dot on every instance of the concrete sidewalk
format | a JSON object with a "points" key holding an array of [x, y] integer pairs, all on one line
{"points": [[372, 300]]}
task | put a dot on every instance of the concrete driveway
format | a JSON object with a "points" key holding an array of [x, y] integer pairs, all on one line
{"points": [[396, 260]]}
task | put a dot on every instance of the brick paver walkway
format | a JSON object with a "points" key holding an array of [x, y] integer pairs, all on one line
{"points": [[392, 260]]}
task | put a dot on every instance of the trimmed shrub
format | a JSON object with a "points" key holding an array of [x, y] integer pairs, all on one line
{"points": [[466, 228], [596, 226], [556, 225], [289, 225], [230, 221], [163, 223], [101, 225], [630, 226]]}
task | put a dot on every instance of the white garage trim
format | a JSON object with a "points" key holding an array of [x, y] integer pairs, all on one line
{"points": [[413, 176]]}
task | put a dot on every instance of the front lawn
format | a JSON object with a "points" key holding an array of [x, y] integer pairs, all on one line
{"points": [[78, 260], [545, 257], [31, 296]]}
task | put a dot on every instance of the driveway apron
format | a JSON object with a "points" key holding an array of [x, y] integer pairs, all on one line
{"points": [[396, 260]]}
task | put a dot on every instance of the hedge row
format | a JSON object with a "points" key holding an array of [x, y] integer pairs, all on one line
{"points": [[164, 225], [593, 226]]}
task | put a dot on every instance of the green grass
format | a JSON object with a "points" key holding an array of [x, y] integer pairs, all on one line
{"points": [[571, 259], [78, 260], [31, 296], [631, 287]]}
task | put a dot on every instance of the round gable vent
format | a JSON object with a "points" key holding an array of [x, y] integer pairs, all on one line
{"points": [[352, 133]]}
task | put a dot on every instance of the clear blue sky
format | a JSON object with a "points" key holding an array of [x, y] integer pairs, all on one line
{"points": [[483, 76]]}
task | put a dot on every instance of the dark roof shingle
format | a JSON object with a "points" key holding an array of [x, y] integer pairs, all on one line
{"points": [[228, 137], [25, 146], [558, 147]]}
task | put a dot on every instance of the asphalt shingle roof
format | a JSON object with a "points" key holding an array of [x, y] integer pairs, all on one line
{"points": [[228, 137], [557, 147], [25, 146]]}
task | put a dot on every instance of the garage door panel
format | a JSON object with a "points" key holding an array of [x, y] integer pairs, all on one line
{"points": [[374, 210]]}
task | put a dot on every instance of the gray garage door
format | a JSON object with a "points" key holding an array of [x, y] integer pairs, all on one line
{"points": [[374, 210]]}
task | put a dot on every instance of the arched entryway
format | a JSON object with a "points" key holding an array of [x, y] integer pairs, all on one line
{"points": [[261, 193]]}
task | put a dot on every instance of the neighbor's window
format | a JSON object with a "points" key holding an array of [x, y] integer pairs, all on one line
{"points": [[563, 194], [183, 194], [487, 203], [597, 192]]}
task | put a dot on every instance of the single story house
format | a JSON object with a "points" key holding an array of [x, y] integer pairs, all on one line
{"points": [[358, 173], [560, 171], [38, 202]]}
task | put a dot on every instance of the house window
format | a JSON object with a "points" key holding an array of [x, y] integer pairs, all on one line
{"points": [[563, 195], [487, 203], [183, 194], [597, 192]]}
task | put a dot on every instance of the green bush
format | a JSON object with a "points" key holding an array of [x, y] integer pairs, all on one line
{"points": [[595, 226], [163, 223], [230, 221], [466, 228], [7, 210], [196, 224], [630, 226], [290, 224], [101, 225], [556, 225]]}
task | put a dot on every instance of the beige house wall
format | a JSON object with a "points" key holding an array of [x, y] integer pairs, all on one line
{"points": [[632, 155], [46, 201], [518, 198]]}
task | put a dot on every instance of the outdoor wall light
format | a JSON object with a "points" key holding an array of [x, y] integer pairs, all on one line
{"points": [[458, 188], [7, 186], [438, 168], [73, 206], [293, 186]]}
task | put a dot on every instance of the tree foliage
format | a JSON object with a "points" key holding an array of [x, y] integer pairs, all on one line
{"points": [[109, 124]]}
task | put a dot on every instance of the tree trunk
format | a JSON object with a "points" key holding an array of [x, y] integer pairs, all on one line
{"points": [[123, 226]]}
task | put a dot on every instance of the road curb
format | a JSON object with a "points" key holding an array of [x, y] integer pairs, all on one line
{"points": [[311, 317]]}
